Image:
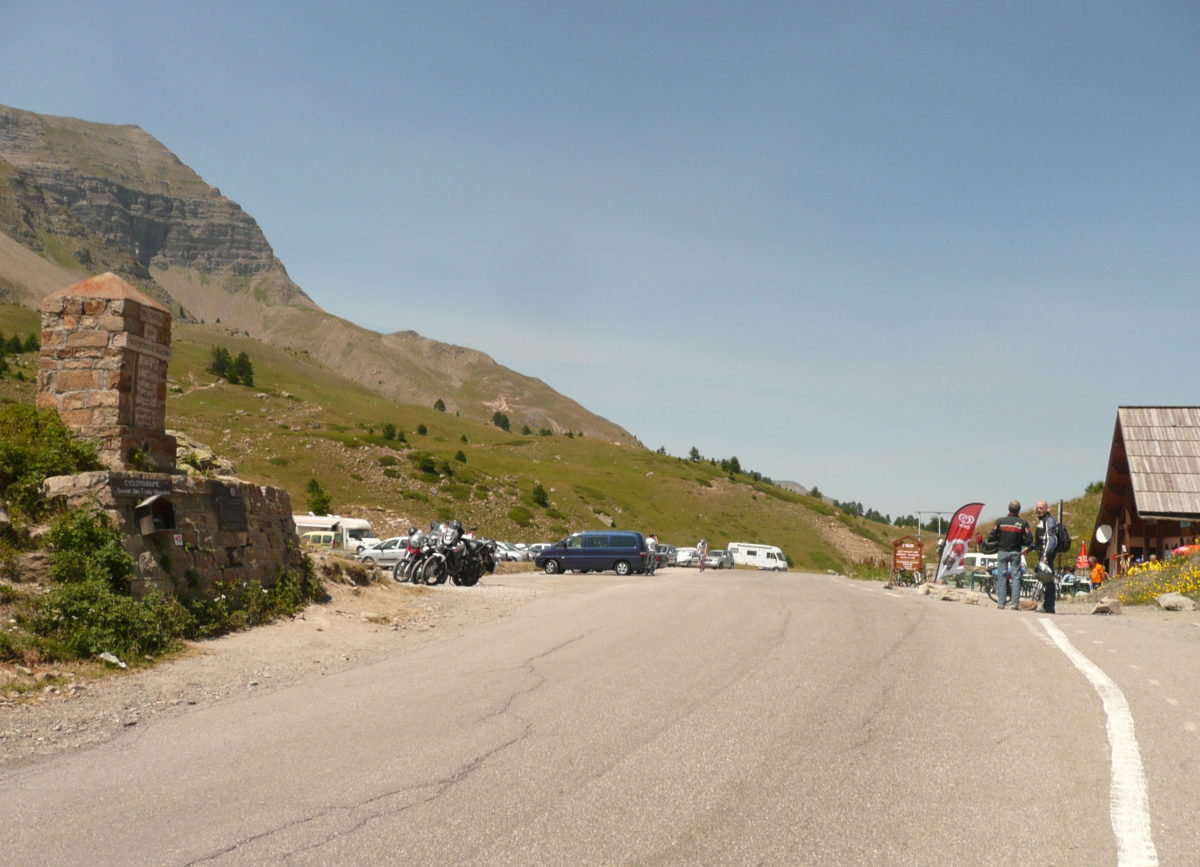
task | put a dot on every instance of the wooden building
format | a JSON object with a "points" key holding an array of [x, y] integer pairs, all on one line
{"points": [[1151, 499]]}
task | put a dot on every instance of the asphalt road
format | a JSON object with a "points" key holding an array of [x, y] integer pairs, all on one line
{"points": [[724, 718]]}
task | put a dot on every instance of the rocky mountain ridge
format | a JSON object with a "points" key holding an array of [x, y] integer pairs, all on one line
{"points": [[79, 198]]}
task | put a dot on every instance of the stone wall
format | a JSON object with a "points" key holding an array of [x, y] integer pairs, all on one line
{"points": [[223, 529]]}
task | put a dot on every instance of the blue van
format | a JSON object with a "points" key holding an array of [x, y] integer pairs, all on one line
{"points": [[622, 551]]}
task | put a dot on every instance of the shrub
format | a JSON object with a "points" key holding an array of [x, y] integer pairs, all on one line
{"points": [[88, 609], [389, 431], [424, 463], [539, 496], [241, 604], [85, 546], [319, 502], [34, 445], [387, 461], [460, 456], [422, 430], [520, 516]]}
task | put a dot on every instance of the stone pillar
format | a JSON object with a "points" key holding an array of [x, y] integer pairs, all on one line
{"points": [[103, 366]]}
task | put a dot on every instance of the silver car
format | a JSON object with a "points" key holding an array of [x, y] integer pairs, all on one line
{"points": [[386, 553], [719, 559]]}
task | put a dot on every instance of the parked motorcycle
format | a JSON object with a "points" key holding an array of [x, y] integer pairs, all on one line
{"points": [[445, 554]]}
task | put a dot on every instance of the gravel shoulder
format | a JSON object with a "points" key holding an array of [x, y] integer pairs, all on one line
{"points": [[81, 706]]}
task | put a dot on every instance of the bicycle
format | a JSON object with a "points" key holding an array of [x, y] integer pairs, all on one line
{"points": [[907, 577]]}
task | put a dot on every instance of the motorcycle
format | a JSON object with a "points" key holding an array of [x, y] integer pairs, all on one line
{"points": [[447, 555]]}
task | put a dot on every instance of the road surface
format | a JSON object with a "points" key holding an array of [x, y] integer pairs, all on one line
{"points": [[724, 718]]}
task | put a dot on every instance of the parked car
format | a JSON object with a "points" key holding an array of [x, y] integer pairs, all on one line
{"points": [[320, 539], [622, 551], [666, 555], [719, 559], [510, 552], [686, 557], [386, 553], [538, 547]]}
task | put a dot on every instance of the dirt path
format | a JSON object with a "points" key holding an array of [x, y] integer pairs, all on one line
{"points": [[358, 624]]}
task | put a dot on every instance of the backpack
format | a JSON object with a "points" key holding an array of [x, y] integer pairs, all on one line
{"points": [[1064, 539]]}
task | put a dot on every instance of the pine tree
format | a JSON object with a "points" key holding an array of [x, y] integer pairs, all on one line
{"points": [[243, 369]]}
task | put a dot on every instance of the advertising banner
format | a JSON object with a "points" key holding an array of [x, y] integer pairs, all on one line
{"points": [[958, 536]]}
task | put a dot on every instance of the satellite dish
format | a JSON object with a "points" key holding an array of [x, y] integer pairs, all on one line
{"points": [[1103, 534]]}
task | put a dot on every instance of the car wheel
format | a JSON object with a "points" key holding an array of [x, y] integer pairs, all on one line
{"points": [[552, 567], [621, 567]]}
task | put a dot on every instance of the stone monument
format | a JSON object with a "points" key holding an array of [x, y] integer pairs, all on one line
{"points": [[105, 348], [103, 366]]}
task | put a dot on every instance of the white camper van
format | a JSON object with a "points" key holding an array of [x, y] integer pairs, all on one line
{"points": [[350, 534], [758, 556]]}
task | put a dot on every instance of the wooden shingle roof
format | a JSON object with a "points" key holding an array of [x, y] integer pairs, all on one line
{"points": [[1162, 446]]}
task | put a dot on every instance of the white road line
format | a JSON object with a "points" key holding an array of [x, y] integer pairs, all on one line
{"points": [[1129, 803]]}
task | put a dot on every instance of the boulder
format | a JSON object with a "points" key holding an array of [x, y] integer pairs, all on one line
{"points": [[1107, 605], [1027, 605], [1175, 602]]}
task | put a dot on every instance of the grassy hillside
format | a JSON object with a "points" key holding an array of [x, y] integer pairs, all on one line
{"points": [[302, 421]]}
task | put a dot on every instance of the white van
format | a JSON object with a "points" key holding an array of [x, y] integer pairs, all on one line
{"points": [[350, 534], [758, 556], [973, 562]]}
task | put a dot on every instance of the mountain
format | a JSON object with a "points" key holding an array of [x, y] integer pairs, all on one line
{"points": [[79, 198]]}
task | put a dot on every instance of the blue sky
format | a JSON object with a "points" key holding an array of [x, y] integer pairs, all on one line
{"points": [[915, 253]]}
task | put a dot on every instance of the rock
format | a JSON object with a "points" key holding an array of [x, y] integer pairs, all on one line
{"points": [[1107, 605], [949, 596], [1175, 602], [925, 589], [971, 598], [5, 523], [112, 660], [1027, 605], [28, 672]]}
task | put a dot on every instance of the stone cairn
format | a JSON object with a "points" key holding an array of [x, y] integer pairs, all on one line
{"points": [[103, 366]]}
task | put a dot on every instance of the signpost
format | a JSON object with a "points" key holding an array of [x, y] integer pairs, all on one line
{"points": [[908, 555]]}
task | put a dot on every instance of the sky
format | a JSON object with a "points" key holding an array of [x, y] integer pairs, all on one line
{"points": [[913, 253]]}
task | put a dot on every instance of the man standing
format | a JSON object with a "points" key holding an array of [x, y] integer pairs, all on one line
{"points": [[1011, 537], [1047, 545], [651, 553], [702, 553]]}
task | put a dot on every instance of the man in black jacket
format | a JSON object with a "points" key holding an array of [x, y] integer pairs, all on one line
{"points": [[1047, 545], [1012, 538]]}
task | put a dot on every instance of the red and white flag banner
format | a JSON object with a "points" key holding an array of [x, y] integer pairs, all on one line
{"points": [[958, 537]]}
